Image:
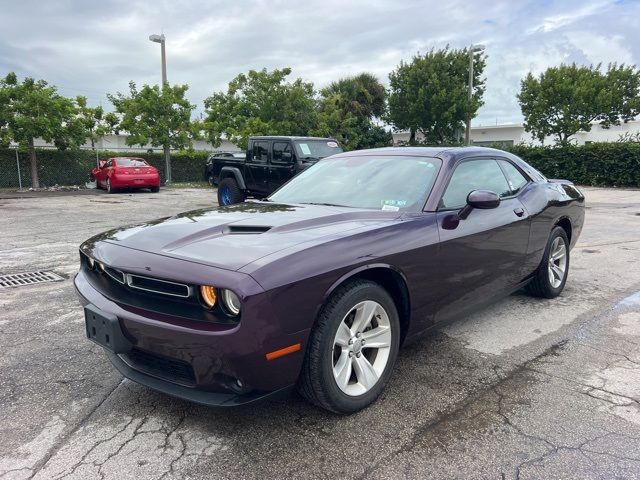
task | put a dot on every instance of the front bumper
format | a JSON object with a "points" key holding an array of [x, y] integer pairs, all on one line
{"points": [[196, 360]]}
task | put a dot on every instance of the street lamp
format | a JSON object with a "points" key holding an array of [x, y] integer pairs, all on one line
{"points": [[16, 145], [472, 49], [155, 38]]}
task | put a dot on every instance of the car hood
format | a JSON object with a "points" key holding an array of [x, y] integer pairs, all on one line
{"points": [[234, 236]]}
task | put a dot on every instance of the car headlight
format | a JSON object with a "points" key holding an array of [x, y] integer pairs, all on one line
{"points": [[231, 302], [208, 295]]}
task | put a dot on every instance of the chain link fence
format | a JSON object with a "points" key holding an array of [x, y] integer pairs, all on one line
{"points": [[73, 167]]}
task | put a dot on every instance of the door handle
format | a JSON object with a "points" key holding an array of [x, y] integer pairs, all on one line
{"points": [[518, 211]]}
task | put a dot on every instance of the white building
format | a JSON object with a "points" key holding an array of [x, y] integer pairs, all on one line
{"points": [[513, 134], [119, 143]]}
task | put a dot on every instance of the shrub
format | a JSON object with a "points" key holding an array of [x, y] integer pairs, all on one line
{"points": [[597, 164], [72, 167]]}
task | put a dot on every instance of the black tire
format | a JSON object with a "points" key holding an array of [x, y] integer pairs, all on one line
{"points": [[540, 285], [316, 382], [155, 189], [109, 188], [229, 192]]}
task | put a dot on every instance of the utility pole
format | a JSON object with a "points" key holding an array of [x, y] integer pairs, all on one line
{"points": [[472, 50], [167, 153]]}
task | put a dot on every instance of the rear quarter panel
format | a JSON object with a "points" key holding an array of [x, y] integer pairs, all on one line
{"points": [[547, 204]]}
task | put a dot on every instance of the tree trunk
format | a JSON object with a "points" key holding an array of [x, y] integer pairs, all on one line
{"points": [[35, 182], [412, 136]]}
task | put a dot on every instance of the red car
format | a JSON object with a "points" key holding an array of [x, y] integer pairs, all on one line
{"points": [[126, 172]]}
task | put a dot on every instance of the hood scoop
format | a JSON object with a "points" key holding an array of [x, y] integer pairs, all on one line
{"points": [[245, 229]]}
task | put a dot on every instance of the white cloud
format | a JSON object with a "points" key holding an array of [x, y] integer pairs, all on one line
{"points": [[601, 48], [92, 48]]}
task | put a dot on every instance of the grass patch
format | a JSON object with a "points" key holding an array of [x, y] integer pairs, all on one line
{"points": [[202, 184]]}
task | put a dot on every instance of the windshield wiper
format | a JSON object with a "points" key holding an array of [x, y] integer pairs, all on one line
{"points": [[309, 158], [323, 204]]}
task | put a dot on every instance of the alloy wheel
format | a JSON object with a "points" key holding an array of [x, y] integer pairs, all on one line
{"points": [[557, 262], [361, 348], [225, 193]]}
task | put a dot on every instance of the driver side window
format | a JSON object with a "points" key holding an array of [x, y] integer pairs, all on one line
{"points": [[474, 175]]}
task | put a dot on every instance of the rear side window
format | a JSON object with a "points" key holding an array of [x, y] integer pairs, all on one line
{"points": [[281, 152], [474, 175], [261, 152], [516, 179]]}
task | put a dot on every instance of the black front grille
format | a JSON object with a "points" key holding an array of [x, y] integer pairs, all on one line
{"points": [[156, 285], [160, 366]]}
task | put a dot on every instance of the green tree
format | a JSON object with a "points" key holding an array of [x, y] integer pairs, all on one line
{"points": [[96, 122], [566, 99], [157, 116], [347, 108], [362, 95], [33, 109], [430, 94], [336, 122], [260, 103]]}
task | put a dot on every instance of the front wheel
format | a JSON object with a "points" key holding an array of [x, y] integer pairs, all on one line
{"points": [[551, 276], [352, 349], [110, 189], [229, 192]]}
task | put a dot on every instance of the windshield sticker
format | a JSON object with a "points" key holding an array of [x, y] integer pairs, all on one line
{"points": [[394, 203], [390, 208], [305, 149], [332, 144]]}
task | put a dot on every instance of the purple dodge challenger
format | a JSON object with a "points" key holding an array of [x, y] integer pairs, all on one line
{"points": [[318, 285]]}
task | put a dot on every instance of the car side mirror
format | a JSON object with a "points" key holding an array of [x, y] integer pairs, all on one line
{"points": [[286, 156], [482, 199]]}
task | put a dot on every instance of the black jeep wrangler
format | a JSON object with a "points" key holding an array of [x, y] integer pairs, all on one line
{"points": [[269, 163]]}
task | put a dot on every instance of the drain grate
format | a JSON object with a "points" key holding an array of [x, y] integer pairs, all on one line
{"points": [[27, 278]]}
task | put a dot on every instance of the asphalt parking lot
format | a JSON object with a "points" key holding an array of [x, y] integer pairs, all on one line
{"points": [[528, 388]]}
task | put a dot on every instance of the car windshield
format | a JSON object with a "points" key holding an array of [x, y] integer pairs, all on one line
{"points": [[376, 182], [131, 162], [316, 149]]}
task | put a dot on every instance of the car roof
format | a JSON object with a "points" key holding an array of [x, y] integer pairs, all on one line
{"points": [[446, 154], [286, 137], [127, 158]]}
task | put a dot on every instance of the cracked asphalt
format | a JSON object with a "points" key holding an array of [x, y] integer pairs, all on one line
{"points": [[527, 388]]}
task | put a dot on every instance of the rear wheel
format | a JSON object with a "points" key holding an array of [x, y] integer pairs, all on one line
{"points": [[352, 349], [155, 189], [229, 192], [551, 275]]}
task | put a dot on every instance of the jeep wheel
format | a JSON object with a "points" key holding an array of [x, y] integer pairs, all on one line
{"points": [[229, 192]]}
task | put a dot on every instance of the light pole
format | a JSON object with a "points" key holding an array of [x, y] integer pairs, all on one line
{"points": [[160, 39], [16, 145], [472, 49]]}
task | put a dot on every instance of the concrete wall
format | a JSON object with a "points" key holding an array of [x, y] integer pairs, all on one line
{"points": [[514, 134]]}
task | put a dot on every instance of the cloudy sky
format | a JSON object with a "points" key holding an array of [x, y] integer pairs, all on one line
{"points": [[90, 48]]}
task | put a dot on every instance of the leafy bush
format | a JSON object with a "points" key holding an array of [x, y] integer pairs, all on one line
{"points": [[72, 167], [598, 164]]}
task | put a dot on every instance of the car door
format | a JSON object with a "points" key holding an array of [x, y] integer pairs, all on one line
{"points": [[482, 256], [102, 174], [257, 167], [282, 164]]}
